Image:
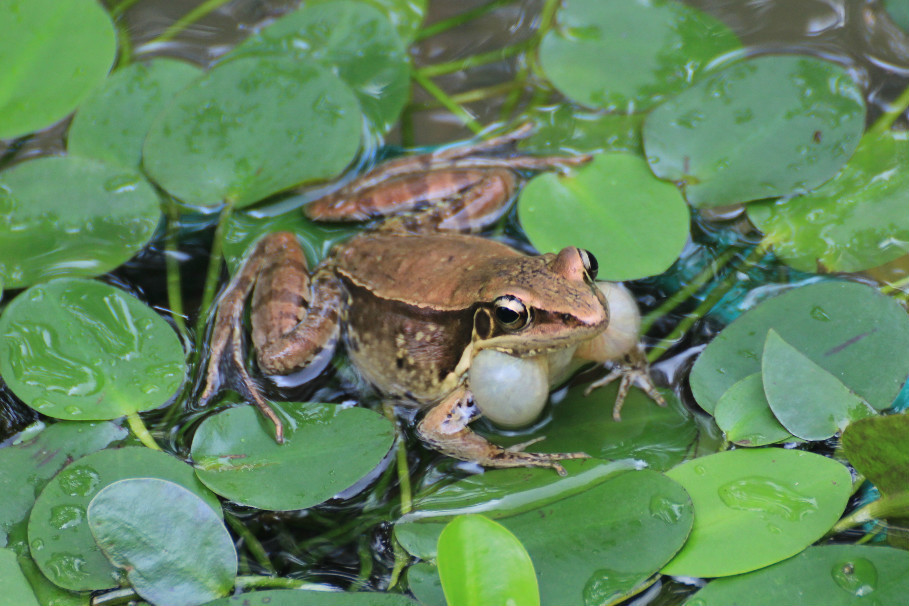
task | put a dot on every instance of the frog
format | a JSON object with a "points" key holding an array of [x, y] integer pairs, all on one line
{"points": [[419, 294]]}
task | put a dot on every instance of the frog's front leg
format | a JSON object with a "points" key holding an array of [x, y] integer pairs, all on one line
{"points": [[445, 428]]}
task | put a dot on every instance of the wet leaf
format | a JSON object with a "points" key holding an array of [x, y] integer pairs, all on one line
{"points": [[13, 585], [423, 581], [756, 507], [173, 547], [25, 468], [47, 593], [608, 207], [59, 537], [481, 562], [296, 597], [807, 400], [899, 12], [728, 140], [594, 537], [835, 575], [849, 329], [53, 53], [253, 127], [111, 125], [855, 221], [565, 129], [78, 349], [71, 216], [353, 39], [327, 450], [745, 416], [644, 50], [876, 447]]}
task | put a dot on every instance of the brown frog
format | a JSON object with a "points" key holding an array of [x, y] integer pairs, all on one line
{"points": [[416, 298]]}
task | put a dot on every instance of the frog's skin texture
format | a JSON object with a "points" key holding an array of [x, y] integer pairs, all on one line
{"points": [[416, 297]]}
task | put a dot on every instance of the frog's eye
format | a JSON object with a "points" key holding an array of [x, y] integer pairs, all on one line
{"points": [[590, 263], [511, 313]]}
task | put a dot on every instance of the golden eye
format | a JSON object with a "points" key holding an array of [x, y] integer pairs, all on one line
{"points": [[511, 313], [590, 263]]}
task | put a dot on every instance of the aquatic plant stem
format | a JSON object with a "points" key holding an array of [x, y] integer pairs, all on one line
{"points": [[440, 69], [477, 94], [261, 582], [446, 101], [214, 270], [171, 251], [188, 19], [252, 543], [137, 426], [895, 505], [401, 460], [121, 8], [889, 117], [446, 24]]}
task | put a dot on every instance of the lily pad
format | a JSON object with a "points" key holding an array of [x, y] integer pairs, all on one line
{"points": [[53, 53], [172, 546], [78, 349], [111, 125], [766, 127], [13, 585], [253, 127], [627, 56], [481, 562], [876, 447], [608, 207], [327, 449], [594, 537], [60, 540], [756, 507], [71, 216], [47, 593], [855, 221], [899, 12], [834, 575], [353, 39], [808, 400], [849, 329], [296, 597], [744, 415], [565, 129]]}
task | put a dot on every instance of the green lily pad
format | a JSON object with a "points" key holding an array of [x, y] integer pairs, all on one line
{"points": [[53, 53], [608, 207], [60, 540], [296, 597], [253, 127], [327, 449], [111, 125], [481, 562], [849, 329], [744, 415], [353, 39], [834, 575], [173, 547], [627, 56], [423, 581], [855, 221], [78, 349], [71, 216], [566, 130], [766, 127], [25, 468], [808, 401], [594, 537], [13, 585], [899, 12], [756, 507], [876, 447]]}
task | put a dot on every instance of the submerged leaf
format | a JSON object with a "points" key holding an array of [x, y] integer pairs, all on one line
{"points": [[876, 447]]}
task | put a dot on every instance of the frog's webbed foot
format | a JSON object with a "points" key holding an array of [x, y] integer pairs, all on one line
{"points": [[633, 369], [445, 429]]}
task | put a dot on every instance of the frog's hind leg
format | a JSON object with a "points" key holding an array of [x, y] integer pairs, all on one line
{"points": [[445, 428]]}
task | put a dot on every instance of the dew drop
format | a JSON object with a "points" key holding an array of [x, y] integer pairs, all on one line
{"points": [[66, 566], [37, 545], [818, 313], [121, 183], [665, 509], [700, 470], [78, 481], [858, 576], [764, 495], [66, 516], [73, 410]]}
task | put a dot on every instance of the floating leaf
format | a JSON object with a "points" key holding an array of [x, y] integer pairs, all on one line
{"points": [[593, 537], [608, 207], [726, 140], [173, 547], [60, 540], [849, 329], [807, 400], [627, 56], [327, 449], [354, 40], [834, 575], [855, 221], [564, 129], [481, 562], [253, 127], [79, 349], [47, 593], [899, 12], [13, 585], [745, 416], [111, 125], [71, 216], [876, 447], [296, 597], [25, 468], [53, 53], [424, 583], [756, 507]]}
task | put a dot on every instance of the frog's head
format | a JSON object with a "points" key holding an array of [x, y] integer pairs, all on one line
{"points": [[539, 304]]}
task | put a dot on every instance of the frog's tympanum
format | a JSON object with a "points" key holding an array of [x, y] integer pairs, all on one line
{"points": [[416, 298]]}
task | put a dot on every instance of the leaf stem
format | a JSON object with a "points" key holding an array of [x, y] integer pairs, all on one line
{"points": [[445, 24], [447, 102], [477, 94], [401, 460], [214, 270], [263, 582], [122, 7], [192, 16], [889, 117], [171, 254], [440, 69], [895, 505], [252, 543], [137, 426]]}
